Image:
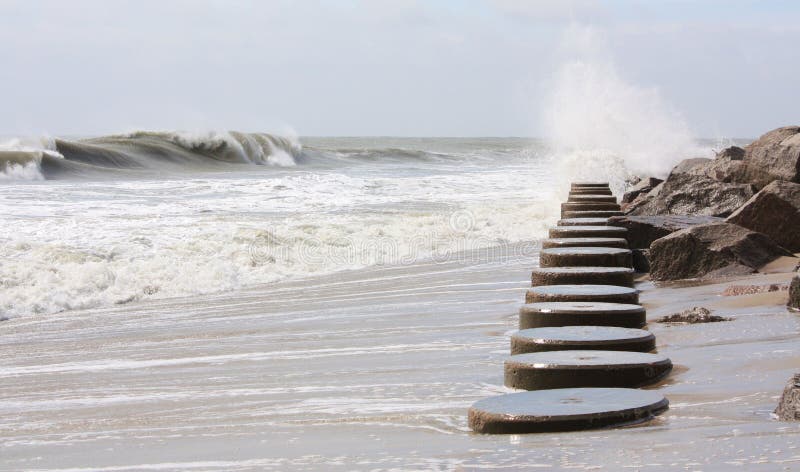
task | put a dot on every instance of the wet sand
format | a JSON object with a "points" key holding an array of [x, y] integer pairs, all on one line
{"points": [[373, 370]]}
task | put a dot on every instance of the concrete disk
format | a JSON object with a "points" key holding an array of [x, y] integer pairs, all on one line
{"points": [[582, 275], [582, 293], [587, 198], [586, 256], [585, 242], [591, 214], [588, 232], [583, 222], [566, 409], [588, 206], [590, 191], [564, 338], [589, 184], [545, 314], [585, 368]]}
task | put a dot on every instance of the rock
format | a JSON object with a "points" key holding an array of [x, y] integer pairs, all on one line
{"points": [[697, 314], [773, 156], [794, 293], [774, 211], [644, 186], [689, 191], [789, 404], [641, 261], [734, 153], [643, 230], [693, 166], [724, 169], [736, 290], [642, 198], [715, 249]]}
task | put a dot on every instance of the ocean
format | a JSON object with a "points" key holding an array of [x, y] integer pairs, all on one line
{"points": [[247, 302], [106, 221]]}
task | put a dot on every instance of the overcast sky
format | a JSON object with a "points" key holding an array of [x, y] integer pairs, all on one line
{"points": [[415, 68]]}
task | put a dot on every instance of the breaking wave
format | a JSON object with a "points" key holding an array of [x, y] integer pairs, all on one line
{"points": [[143, 152]]}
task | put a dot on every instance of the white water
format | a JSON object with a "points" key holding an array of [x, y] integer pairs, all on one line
{"points": [[77, 244], [29, 152], [606, 128]]}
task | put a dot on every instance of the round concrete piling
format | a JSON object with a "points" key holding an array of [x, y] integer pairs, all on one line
{"points": [[582, 293], [590, 198], [583, 222], [582, 275], [585, 242], [585, 368], [590, 191], [588, 206], [591, 214], [565, 338], [566, 409], [586, 256], [546, 314], [588, 232], [575, 185]]}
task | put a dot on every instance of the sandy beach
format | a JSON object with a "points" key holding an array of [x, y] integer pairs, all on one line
{"points": [[374, 369]]}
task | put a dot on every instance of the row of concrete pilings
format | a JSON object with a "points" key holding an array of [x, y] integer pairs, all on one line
{"points": [[581, 354]]}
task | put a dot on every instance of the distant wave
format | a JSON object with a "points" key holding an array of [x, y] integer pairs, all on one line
{"points": [[143, 151], [149, 153]]}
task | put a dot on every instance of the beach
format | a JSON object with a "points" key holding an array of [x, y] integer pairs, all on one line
{"points": [[374, 369]]}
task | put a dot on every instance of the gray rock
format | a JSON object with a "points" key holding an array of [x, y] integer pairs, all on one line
{"points": [[694, 315], [724, 169], [734, 153], [688, 190], [641, 261], [644, 186], [710, 250], [773, 156], [643, 230], [794, 293], [789, 405], [693, 166], [774, 211]]}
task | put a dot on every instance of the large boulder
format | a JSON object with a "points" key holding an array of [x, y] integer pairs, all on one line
{"points": [[689, 191], [789, 404], [716, 249], [774, 211], [733, 153], [794, 293], [644, 229], [727, 165], [773, 156], [643, 187]]}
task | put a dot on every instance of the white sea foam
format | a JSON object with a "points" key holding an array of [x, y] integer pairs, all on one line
{"points": [[93, 244], [20, 158], [606, 128]]}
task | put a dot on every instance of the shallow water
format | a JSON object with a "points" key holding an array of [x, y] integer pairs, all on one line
{"points": [[370, 369]]}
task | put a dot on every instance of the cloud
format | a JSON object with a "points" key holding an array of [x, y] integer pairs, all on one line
{"points": [[552, 10]]}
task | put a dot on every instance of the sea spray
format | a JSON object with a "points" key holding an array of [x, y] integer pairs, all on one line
{"points": [[21, 158], [605, 128]]}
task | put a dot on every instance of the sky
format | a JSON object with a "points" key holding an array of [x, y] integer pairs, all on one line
{"points": [[729, 69]]}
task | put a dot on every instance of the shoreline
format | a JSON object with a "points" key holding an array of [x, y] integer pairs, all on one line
{"points": [[308, 376]]}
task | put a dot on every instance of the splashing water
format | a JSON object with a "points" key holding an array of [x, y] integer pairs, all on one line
{"points": [[604, 128]]}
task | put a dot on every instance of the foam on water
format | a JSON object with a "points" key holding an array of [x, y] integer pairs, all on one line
{"points": [[104, 242], [21, 158]]}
